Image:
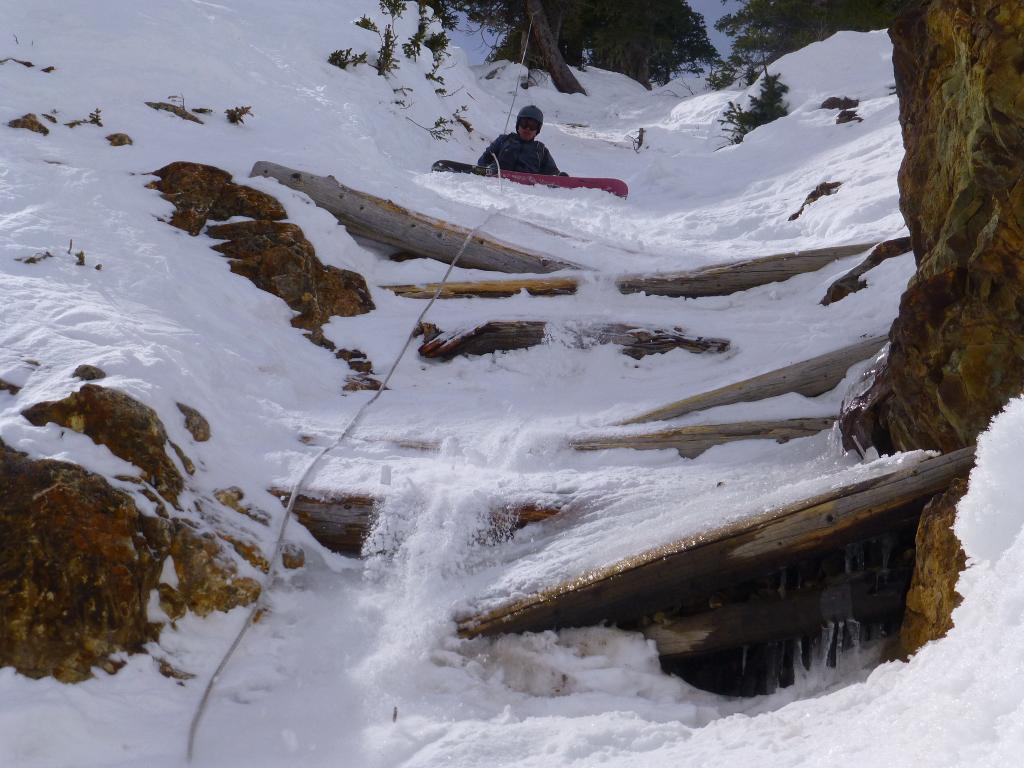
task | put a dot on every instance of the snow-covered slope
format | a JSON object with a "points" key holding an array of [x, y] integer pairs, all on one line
{"points": [[348, 645]]}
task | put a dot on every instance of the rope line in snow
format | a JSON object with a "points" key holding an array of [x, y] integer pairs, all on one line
{"points": [[294, 493]]}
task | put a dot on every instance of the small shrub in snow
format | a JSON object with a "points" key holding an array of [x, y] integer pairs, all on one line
{"points": [[93, 119], [236, 115], [766, 107], [345, 58]]}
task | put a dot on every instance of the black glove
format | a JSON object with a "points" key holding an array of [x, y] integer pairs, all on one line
{"points": [[563, 173]]}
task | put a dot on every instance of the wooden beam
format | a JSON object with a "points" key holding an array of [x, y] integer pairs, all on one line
{"points": [[763, 621], [810, 378], [693, 441], [342, 521], [505, 335], [386, 222], [724, 279], [489, 289], [697, 566]]}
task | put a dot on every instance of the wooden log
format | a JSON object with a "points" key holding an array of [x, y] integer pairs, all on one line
{"points": [[505, 335], [762, 621], [383, 221], [810, 378], [489, 289], [724, 279], [693, 441], [342, 521], [697, 566]]}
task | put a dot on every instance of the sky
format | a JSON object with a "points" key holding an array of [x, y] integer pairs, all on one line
{"points": [[471, 39]]}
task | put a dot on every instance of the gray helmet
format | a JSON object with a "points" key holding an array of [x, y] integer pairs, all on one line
{"points": [[531, 113]]}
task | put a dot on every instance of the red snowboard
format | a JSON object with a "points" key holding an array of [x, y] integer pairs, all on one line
{"points": [[615, 186]]}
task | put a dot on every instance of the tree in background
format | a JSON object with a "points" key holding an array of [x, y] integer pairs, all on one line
{"points": [[767, 106], [648, 40], [764, 30]]}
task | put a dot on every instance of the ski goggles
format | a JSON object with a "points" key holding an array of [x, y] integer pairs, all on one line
{"points": [[528, 124]]}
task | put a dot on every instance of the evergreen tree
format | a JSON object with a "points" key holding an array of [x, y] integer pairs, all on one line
{"points": [[764, 30], [767, 106]]}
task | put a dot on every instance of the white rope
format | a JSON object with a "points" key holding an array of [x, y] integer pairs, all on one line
{"points": [[522, 63], [294, 493]]}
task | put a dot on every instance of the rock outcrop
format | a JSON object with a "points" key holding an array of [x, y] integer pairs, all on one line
{"points": [[77, 563], [274, 255], [938, 562], [958, 344]]}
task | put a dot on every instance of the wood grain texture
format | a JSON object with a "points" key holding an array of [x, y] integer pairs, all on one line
{"points": [[810, 378], [489, 289], [694, 440], [386, 222], [739, 276], [697, 566]]}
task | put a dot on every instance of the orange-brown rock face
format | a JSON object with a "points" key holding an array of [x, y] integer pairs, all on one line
{"points": [[77, 563], [131, 430], [958, 344], [937, 566]]}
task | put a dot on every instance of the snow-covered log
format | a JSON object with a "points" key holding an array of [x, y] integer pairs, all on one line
{"points": [[724, 279], [810, 378], [489, 289], [501, 336], [692, 441], [699, 565], [384, 221]]}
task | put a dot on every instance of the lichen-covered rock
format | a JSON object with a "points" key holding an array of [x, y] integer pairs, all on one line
{"points": [[207, 579], [958, 344], [195, 423], [77, 563], [131, 430], [89, 373], [200, 192], [30, 123], [278, 258], [937, 566], [120, 140]]}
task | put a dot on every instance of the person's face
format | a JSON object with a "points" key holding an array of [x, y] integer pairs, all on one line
{"points": [[527, 129]]}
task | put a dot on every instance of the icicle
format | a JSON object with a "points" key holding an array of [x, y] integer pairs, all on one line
{"points": [[827, 635], [782, 583], [743, 661]]}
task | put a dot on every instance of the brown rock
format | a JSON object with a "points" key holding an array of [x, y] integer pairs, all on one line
{"points": [[30, 123], [131, 430], [958, 343], [360, 382], [236, 200], [171, 601], [119, 139], [89, 373], [292, 556], [278, 258], [939, 560], [232, 499], [77, 564], [848, 116], [853, 280], [193, 189], [207, 579], [839, 102], [6, 386], [195, 423], [820, 191]]}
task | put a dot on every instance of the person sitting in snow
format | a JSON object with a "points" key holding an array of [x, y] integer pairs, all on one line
{"points": [[520, 151]]}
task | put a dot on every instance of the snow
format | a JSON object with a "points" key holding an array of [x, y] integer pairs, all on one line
{"points": [[357, 664]]}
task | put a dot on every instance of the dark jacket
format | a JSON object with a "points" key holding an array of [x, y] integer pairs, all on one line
{"points": [[514, 154]]}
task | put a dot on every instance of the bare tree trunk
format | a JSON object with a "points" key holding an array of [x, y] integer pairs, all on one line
{"points": [[547, 47]]}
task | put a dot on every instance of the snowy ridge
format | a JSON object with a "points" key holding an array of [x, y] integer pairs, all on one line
{"points": [[357, 664]]}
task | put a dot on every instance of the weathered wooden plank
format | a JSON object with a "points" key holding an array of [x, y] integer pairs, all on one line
{"points": [[697, 566], [694, 440], [799, 613], [342, 521], [386, 222], [505, 335], [724, 279], [489, 289], [810, 378]]}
